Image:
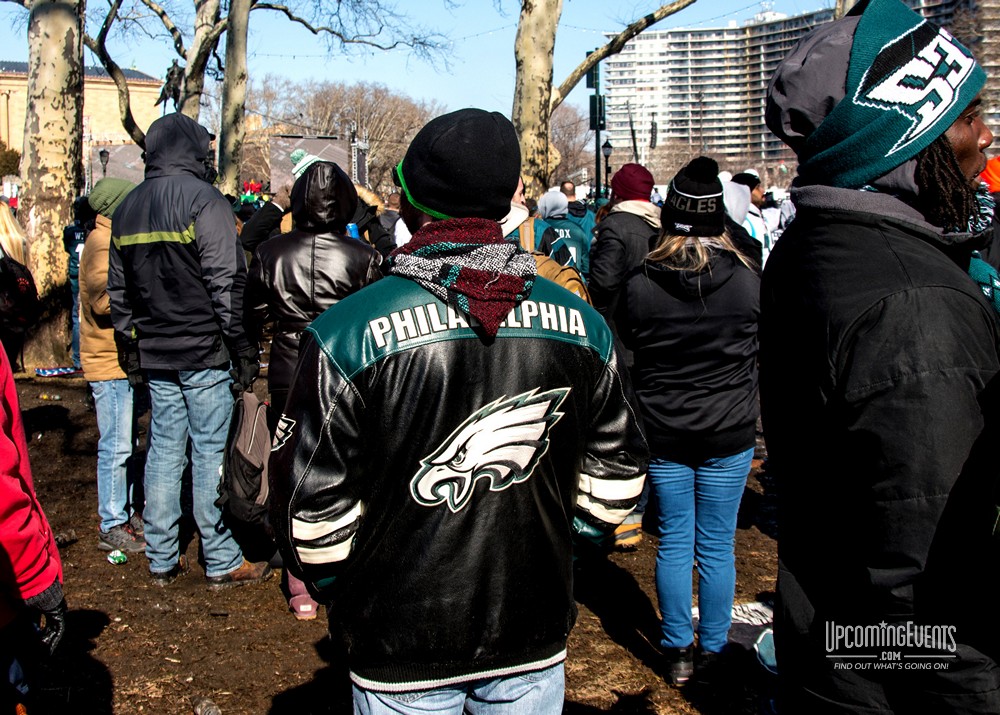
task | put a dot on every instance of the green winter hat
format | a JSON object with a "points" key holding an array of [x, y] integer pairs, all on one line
{"points": [[107, 194], [907, 82], [301, 160]]}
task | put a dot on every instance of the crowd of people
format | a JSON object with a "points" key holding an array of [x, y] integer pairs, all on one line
{"points": [[469, 388]]}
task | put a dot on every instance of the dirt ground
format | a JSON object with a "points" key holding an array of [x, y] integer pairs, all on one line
{"points": [[136, 648]]}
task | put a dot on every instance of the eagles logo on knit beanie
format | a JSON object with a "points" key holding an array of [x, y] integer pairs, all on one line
{"points": [[907, 82], [462, 165], [694, 205]]}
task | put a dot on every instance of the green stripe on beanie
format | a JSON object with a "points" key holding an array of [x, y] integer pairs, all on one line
{"points": [[907, 82], [464, 164], [107, 194]]}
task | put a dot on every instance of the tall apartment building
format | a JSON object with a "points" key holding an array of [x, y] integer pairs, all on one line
{"points": [[706, 87]]}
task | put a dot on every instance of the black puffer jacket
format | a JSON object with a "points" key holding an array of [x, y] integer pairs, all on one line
{"points": [[298, 275], [879, 363], [176, 270], [624, 239], [694, 338]]}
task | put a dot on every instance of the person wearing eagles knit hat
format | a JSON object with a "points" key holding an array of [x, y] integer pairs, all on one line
{"points": [[879, 369]]}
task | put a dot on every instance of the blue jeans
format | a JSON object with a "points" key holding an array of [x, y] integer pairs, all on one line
{"points": [[75, 341], [697, 506], [537, 693], [113, 401], [195, 404]]}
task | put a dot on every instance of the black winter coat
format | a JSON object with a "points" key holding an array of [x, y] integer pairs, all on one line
{"points": [[879, 389], [298, 275], [623, 241], [176, 270], [694, 339]]}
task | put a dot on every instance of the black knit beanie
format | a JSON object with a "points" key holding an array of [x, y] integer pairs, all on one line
{"points": [[461, 165], [694, 201]]}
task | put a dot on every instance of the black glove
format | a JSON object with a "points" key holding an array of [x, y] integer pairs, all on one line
{"points": [[128, 360], [246, 367], [51, 605]]}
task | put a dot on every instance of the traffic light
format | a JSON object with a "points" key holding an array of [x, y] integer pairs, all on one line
{"points": [[597, 119], [593, 74]]}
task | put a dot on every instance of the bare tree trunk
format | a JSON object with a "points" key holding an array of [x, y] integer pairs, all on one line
{"points": [[534, 98], [234, 95], [51, 161], [533, 48], [842, 7], [207, 30]]}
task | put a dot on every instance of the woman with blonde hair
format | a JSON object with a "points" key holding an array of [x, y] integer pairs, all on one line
{"points": [[13, 240], [690, 313], [13, 244]]}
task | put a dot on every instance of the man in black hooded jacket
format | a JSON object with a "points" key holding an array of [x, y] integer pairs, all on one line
{"points": [[879, 368], [176, 278]]}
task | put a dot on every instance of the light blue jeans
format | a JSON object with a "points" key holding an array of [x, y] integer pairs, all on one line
{"points": [[697, 506], [195, 404], [115, 421], [537, 693]]}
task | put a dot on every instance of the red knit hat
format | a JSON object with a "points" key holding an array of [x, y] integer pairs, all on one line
{"points": [[632, 182]]}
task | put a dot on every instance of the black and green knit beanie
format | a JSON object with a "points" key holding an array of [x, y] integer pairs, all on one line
{"points": [[461, 165], [907, 81]]}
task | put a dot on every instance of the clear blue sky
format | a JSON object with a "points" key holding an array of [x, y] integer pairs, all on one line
{"points": [[480, 69]]}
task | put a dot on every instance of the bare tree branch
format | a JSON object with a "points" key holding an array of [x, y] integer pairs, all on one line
{"points": [[99, 48], [169, 24], [415, 42], [613, 47]]}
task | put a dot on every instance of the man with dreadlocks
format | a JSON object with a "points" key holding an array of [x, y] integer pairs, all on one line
{"points": [[879, 366], [449, 430]]}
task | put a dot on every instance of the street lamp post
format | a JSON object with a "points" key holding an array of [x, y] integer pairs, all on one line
{"points": [[104, 155], [606, 149]]}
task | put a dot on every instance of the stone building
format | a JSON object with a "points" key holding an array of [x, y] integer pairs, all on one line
{"points": [[102, 127]]}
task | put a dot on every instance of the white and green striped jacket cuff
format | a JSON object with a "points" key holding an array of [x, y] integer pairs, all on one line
{"points": [[326, 542], [608, 500]]}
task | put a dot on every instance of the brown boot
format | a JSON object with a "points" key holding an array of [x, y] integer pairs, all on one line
{"points": [[247, 573]]}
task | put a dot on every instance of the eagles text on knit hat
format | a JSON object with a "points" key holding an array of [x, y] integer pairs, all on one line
{"points": [[462, 165], [694, 205], [906, 83]]}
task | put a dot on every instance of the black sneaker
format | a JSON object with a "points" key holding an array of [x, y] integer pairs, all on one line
{"points": [[165, 578], [680, 664], [120, 538], [135, 523]]}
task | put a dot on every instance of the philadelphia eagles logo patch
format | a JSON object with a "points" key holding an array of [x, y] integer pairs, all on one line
{"points": [[501, 442], [918, 75]]}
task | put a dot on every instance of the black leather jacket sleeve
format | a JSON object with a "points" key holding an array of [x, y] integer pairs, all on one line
{"points": [[616, 457], [259, 227], [314, 470]]}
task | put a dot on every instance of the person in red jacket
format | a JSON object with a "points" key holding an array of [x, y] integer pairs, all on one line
{"points": [[30, 570]]}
